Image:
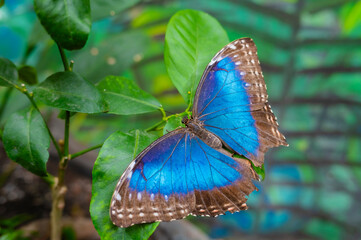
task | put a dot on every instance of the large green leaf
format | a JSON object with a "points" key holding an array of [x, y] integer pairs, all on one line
{"points": [[8, 73], [124, 97], [115, 155], [191, 40], [67, 22], [69, 91], [26, 140], [106, 8]]}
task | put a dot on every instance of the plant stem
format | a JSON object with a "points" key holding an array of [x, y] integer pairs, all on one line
{"points": [[5, 100], [155, 126], [85, 151], [58, 191], [163, 113], [64, 59], [59, 188], [66, 133]]}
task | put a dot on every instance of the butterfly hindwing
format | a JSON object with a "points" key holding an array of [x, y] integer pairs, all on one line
{"points": [[178, 175], [146, 190], [232, 101]]}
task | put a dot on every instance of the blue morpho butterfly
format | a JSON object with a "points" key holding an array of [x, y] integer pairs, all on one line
{"points": [[188, 170]]}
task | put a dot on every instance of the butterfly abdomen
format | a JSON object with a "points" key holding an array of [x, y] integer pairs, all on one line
{"points": [[207, 137]]}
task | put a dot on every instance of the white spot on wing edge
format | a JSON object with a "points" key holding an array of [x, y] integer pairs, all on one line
{"points": [[118, 197], [131, 165], [216, 58], [129, 175]]}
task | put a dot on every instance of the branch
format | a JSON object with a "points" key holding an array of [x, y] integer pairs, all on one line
{"points": [[72, 156], [59, 188]]}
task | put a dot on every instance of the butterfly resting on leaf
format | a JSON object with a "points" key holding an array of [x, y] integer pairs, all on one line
{"points": [[189, 170]]}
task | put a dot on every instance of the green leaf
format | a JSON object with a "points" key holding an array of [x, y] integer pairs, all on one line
{"points": [[107, 8], [67, 22], [28, 74], [124, 97], [69, 91], [114, 157], [8, 73], [13, 235], [26, 140], [173, 122], [2, 2], [191, 40], [259, 170]]}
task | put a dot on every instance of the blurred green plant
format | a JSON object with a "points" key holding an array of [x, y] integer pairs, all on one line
{"points": [[8, 228]]}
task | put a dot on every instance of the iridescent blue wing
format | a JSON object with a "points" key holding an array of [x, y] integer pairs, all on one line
{"points": [[231, 100], [178, 175]]}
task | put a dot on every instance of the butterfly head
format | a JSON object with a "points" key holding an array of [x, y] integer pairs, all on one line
{"points": [[185, 120]]}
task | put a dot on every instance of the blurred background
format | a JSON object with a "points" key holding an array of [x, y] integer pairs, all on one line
{"points": [[310, 52]]}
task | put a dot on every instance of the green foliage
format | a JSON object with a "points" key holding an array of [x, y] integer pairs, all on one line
{"points": [[114, 157], [68, 233], [350, 15], [28, 75], [67, 22], [124, 97], [8, 227], [191, 40], [106, 8], [8, 73], [114, 55], [70, 91], [26, 140]]}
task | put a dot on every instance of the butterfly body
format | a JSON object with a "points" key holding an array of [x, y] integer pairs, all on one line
{"points": [[191, 170], [195, 127]]}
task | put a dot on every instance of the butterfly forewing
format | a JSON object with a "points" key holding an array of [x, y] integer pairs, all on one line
{"points": [[232, 102]]}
